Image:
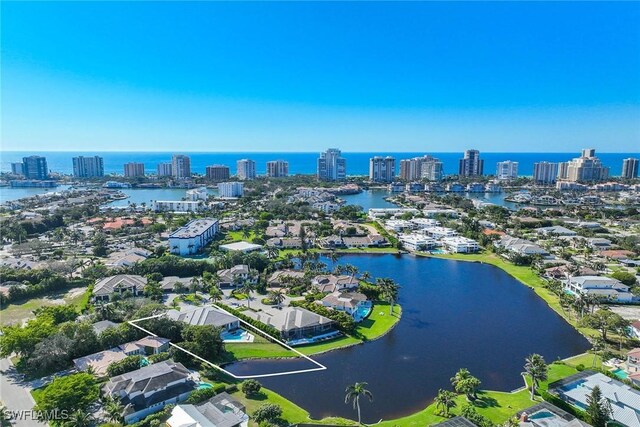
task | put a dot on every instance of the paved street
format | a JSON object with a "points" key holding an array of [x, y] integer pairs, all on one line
{"points": [[14, 393]]}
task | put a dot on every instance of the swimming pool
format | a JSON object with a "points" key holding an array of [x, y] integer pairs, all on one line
{"points": [[620, 373], [362, 312], [203, 386], [237, 336]]}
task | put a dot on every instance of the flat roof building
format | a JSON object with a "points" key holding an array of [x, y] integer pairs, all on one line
{"points": [[192, 237]]}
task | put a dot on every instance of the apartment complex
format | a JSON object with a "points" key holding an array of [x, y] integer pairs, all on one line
{"points": [[246, 169], [181, 166], [587, 167], [230, 189], [133, 169], [277, 168], [332, 166], [425, 167], [545, 172], [218, 172], [88, 167], [165, 169], [630, 168], [192, 237], [507, 170], [382, 169], [32, 167], [471, 164]]}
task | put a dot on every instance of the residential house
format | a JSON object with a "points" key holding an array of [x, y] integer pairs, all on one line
{"points": [[281, 277], [633, 360], [556, 230], [147, 390], [519, 246], [295, 323], [332, 282], [209, 316], [105, 288], [103, 325], [349, 302], [100, 361], [604, 287], [171, 283], [635, 329], [599, 243], [235, 276], [545, 414], [222, 410]]}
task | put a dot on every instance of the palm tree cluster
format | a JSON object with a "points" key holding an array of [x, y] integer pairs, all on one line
{"points": [[465, 383]]}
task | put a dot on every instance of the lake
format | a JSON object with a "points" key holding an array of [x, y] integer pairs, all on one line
{"points": [[455, 314]]}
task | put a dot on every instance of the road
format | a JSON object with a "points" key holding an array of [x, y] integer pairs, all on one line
{"points": [[15, 394]]}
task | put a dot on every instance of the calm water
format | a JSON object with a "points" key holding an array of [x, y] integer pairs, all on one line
{"points": [[147, 195], [8, 193], [304, 163], [456, 314], [369, 199]]}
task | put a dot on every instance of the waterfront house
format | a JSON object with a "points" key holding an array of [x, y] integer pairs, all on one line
{"points": [[349, 302], [604, 287], [332, 282], [633, 360], [192, 237], [209, 316], [624, 400], [147, 390], [282, 277], [544, 414], [287, 242], [455, 422], [222, 410], [519, 246], [120, 284], [295, 323]]}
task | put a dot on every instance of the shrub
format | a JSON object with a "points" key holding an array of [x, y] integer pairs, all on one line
{"points": [[155, 358], [580, 367], [250, 387], [259, 325], [267, 412], [201, 395], [128, 364]]}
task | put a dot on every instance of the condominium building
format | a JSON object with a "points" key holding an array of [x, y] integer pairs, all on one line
{"points": [[630, 168], [34, 167], [181, 166], [133, 169], [332, 166], [277, 168], [246, 169], [563, 170], [192, 237], [230, 189], [425, 167], [218, 172], [545, 172], [165, 169], [382, 169], [16, 168], [88, 167], [587, 167], [177, 205], [471, 164], [507, 170]]}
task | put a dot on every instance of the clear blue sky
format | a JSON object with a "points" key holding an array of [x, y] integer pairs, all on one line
{"points": [[400, 76]]}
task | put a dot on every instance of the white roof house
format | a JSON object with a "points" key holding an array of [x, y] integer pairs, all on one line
{"points": [[240, 247], [557, 230], [208, 316], [600, 286], [521, 246], [624, 400]]}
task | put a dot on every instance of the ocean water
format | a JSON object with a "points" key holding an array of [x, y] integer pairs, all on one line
{"points": [[299, 163]]}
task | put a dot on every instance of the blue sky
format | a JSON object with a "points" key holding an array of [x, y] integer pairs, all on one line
{"points": [[266, 76]]}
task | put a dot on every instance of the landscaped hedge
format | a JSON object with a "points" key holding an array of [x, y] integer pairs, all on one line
{"points": [[259, 325], [345, 322], [555, 400]]}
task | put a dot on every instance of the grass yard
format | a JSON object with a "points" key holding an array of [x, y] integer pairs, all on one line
{"points": [[20, 311], [585, 359], [235, 236]]}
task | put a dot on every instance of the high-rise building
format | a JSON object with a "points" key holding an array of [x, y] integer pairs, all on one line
{"points": [[507, 170], [332, 166], [563, 170], [425, 167], [432, 169], [587, 167], [16, 168], [277, 168], [88, 167], [382, 169], [165, 169], [471, 164], [230, 189], [218, 172], [35, 167], [630, 168], [545, 172], [133, 169], [181, 166], [246, 169]]}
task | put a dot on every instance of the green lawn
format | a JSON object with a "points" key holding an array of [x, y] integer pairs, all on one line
{"points": [[23, 310], [377, 324], [235, 236], [586, 360]]}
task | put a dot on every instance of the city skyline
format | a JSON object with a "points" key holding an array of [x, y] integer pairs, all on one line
{"points": [[517, 79]]}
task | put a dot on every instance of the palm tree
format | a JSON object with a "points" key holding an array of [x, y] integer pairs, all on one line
{"points": [[353, 393], [195, 285], [446, 400], [114, 409], [333, 256], [389, 291], [246, 287], [277, 296], [352, 270], [272, 252], [105, 311], [215, 294], [79, 419], [365, 276], [536, 368], [465, 383]]}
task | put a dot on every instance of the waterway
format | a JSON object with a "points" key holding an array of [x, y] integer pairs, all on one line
{"points": [[455, 314]]}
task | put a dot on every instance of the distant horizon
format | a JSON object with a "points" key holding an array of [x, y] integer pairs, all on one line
{"points": [[312, 151]]}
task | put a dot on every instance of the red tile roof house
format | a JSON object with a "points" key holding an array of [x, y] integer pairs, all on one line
{"points": [[635, 329], [633, 360]]}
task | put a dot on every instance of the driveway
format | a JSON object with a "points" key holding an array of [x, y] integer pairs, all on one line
{"points": [[15, 394]]}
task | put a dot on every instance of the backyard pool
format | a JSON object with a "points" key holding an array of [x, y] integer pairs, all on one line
{"points": [[620, 373], [237, 336], [362, 312], [203, 386]]}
